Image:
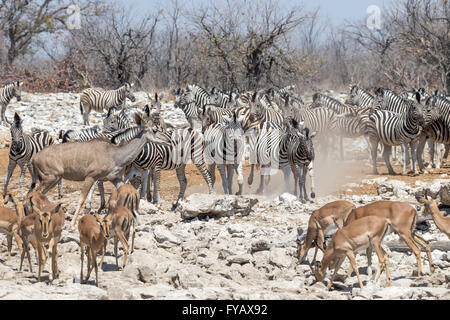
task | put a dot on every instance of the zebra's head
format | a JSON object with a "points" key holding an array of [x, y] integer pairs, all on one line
{"points": [[128, 93], [17, 90], [353, 96], [234, 133], [416, 111], [17, 133], [430, 111]]}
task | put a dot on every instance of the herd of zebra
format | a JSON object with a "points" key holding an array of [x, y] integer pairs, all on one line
{"points": [[276, 126]]}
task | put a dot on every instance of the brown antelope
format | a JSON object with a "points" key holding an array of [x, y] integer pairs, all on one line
{"points": [[122, 219], [48, 226], [322, 221], [355, 236], [431, 209], [33, 199], [10, 223], [94, 230], [402, 217], [126, 195]]}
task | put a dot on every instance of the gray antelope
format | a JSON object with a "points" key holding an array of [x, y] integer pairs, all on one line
{"points": [[106, 164]]}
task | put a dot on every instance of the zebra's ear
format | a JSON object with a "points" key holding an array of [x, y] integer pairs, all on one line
{"points": [[417, 97], [254, 96], [147, 110], [17, 119]]}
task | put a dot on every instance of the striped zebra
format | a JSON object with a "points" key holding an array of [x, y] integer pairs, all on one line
{"points": [[224, 147], [189, 107], [300, 154], [265, 110], [13, 89], [392, 129], [116, 120], [411, 94], [212, 114], [271, 150], [199, 95], [359, 97], [222, 99], [98, 99], [186, 144], [23, 148], [321, 100]]}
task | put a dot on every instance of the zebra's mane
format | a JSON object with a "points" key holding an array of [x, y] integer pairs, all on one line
{"points": [[126, 135]]}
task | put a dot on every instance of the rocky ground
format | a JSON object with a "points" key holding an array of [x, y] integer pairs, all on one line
{"points": [[244, 248]]}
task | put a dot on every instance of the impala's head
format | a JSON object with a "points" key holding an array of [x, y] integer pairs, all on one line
{"points": [[45, 218], [429, 203], [104, 223]]}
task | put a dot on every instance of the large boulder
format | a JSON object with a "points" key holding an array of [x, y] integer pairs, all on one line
{"points": [[197, 205]]}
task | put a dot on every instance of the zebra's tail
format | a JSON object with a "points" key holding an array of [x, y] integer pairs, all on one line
{"points": [[81, 107]]}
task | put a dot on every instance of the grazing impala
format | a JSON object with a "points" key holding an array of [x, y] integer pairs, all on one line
{"points": [[402, 217], [322, 221], [94, 230], [355, 236]]}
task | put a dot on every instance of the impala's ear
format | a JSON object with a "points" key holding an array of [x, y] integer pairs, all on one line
{"points": [[56, 209]]}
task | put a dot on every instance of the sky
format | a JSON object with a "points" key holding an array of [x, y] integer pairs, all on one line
{"points": [[336, 11]]}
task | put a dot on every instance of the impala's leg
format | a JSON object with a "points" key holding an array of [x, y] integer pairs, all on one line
{"points": [[415, 249], [82, 260], [381, 262], [11, 167], [9, 241], [337, 266], [90, 262], [88, 185], [116, 240], [426, 246], [126, 247], [39, 261], [18, 239], [351, 257], [369, 261], [94, 259], [103, 253]]}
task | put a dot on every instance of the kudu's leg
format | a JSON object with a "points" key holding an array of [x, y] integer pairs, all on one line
{"points": [[87, 186]]}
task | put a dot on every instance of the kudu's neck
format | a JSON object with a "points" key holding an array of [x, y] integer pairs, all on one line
{"points": [[126, 153]]}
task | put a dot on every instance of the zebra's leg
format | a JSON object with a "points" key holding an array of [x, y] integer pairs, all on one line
{"points": [[156, 184], [11, 167], [341, 145], [413, 147], [311, 176], [4, 120], [206, 174], [23, 169], [181, 175], [223, 175], [438, 148], [212, 173], [405, 150], [286, 175], [419, 154], [240, 178], [374, 151], [431, 150], [250, 176], [262, 173], [149, 184], [230, 174], [86, 116], [144, 184], [101, 189], [447, 149], [386, 153], [304, 170], [295, 172]]}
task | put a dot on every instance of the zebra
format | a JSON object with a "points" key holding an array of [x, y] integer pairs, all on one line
{"points": [[23, 148], [265, 110], [98, 99], [271, 150], [321, 100], [396, 129], [222, 99], [224, 147], [189, 107], [199, 95], [116, 120], [300, 154], [212, 114], [13, 89], [411, 95], [187, 144], [359, 97]]}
